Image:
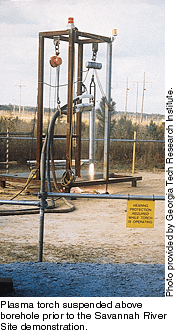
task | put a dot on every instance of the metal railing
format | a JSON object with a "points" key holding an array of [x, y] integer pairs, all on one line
{"points": [[112, 140], [106, 196]]}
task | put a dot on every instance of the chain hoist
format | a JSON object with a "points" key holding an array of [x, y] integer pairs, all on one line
{"points": [[93, 64], [56, 60]]}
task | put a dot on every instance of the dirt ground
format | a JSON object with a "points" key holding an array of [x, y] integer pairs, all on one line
{"points": [[94, 232]]}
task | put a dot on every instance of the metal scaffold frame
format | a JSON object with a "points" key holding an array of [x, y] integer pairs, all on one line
{"points": [[73, 36]]}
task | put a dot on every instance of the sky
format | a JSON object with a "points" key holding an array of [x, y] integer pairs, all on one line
{"points": [[138, 48]]}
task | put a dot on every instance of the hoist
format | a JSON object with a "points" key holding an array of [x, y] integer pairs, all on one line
{"points": [[56, 60], [92, 64]]}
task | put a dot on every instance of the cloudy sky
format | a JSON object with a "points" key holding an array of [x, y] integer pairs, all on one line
{"points": [[138, 48]]}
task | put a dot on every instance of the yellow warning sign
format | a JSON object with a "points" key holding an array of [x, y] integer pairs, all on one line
{"points": [[140, 214]]}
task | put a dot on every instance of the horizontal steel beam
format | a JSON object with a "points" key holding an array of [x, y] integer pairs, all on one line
{"points": [[115, 179], [89, 41], [109, 181], [90, 37], [93, 36], [98, 38], [52, 34]]}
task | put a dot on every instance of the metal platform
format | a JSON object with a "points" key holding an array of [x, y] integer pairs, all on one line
{"points": [[83, 181]]}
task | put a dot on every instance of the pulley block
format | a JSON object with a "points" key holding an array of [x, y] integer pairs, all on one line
{"points": [[55, 61]]}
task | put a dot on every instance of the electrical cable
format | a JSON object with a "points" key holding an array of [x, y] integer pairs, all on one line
{"points": [[31, 176], [63, 85]]}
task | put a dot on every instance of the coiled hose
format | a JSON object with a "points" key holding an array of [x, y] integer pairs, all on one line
{"points": [[48, 148], [49, 156]]}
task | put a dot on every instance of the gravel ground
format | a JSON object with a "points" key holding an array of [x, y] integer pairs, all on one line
{"points": [[95, 232], [33, 279], [87, 252]]}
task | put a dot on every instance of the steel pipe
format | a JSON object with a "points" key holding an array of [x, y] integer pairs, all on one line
{"points": [[92, 125], [107, 196], [42, 203], [79, 115], [59, 138], [12, 202], [107, 112]]}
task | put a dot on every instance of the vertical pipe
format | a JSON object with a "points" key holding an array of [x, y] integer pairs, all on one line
{"points": [[92, 136], [92, 143], [136, 101], [126, 104], [143, 98], [92, 125], [42, 205], [70, 99], [7, 152], [107, 112], [20, 100], [133, 158], [79, 115], [40, 102]]}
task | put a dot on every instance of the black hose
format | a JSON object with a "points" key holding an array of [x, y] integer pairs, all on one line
{"points": [[37, 211], [48, 148], [49, 155]]}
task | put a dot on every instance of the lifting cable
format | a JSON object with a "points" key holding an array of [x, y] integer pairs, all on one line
{"points": [[49, 97], [99, 84]]}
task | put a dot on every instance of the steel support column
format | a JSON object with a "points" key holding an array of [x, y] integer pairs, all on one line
{"points": [[40, 102], [107, 112], [70, 98], [79, 115]]}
